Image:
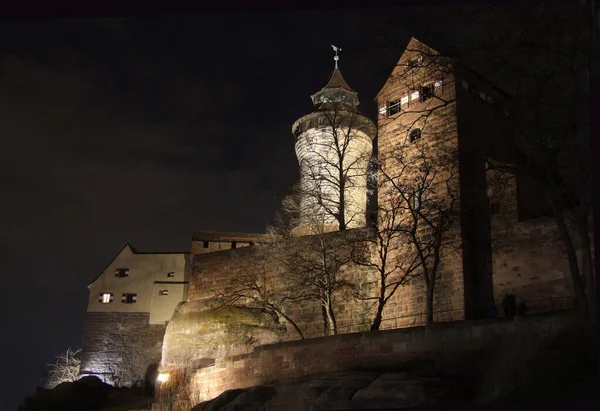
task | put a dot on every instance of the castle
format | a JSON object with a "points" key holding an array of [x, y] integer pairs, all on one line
{"points": [[506, 243]]}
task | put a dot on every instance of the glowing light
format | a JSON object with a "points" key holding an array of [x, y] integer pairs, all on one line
{"points": [[162, 377]]}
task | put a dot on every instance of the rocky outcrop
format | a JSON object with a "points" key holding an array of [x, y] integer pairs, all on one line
{"points": [[358, 390], [199, 332]]}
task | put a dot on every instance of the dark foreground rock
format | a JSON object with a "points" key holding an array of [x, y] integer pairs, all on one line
{"points": [[342, 390], [87, 393]]}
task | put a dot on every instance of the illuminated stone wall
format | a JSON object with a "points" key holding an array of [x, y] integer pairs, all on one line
{"points": [[120, 347], [371, 350]]}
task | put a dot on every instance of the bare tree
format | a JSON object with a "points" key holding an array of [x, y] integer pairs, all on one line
{"points": [[262, 288], [65, 369], [425, 178], [389, 255], [312, 267]]}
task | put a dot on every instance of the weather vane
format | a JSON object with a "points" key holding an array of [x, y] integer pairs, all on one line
{"points": [[336, 58]]}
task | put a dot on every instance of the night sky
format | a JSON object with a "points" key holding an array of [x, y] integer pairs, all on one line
{"points": [[145, 130]]}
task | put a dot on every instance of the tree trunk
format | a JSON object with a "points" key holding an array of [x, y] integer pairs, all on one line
{"points": [[378, 316], [325, 319], [331, 317], [429, 305]]}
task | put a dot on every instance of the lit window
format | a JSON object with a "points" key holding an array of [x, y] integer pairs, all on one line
{"points": [[171, 274], [105, 298], [128, 298], [382, 110], [122, 272], [393, 107], [414, 96], [438, 84], [404, 100], [163, 292]]}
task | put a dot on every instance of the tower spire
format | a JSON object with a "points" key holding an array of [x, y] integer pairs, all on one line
{"points": [[336, 57]]}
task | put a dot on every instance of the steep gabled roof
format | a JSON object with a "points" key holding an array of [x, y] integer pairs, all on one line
{"points": [[131, 248], [447, 51], [410, 48], [133, 251]]}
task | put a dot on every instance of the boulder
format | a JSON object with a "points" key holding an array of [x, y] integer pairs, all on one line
{"points": [[359, 390], [199, 332]]}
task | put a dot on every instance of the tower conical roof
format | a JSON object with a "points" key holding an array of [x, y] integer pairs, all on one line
{"points": [[335, 91], [336, 80]]}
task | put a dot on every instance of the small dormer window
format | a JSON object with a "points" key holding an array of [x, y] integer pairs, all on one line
{"points": [[122, 272]]}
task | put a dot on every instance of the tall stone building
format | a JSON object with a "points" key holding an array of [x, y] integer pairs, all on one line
{"points": [[507, 244]]}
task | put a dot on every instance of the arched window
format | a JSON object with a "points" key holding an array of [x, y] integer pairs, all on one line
{"points": [[414, 135]]}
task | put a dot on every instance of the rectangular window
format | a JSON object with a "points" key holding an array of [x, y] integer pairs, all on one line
{"points": [[414, 96], [128, 298], [122, 272], [171, 274], [163, 292], [382, 110], [404, 100], [393, 107], [105, 298], [427, 92], [233, 244], [206, 244]]}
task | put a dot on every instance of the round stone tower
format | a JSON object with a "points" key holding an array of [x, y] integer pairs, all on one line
{"points": [[333, 146]]}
